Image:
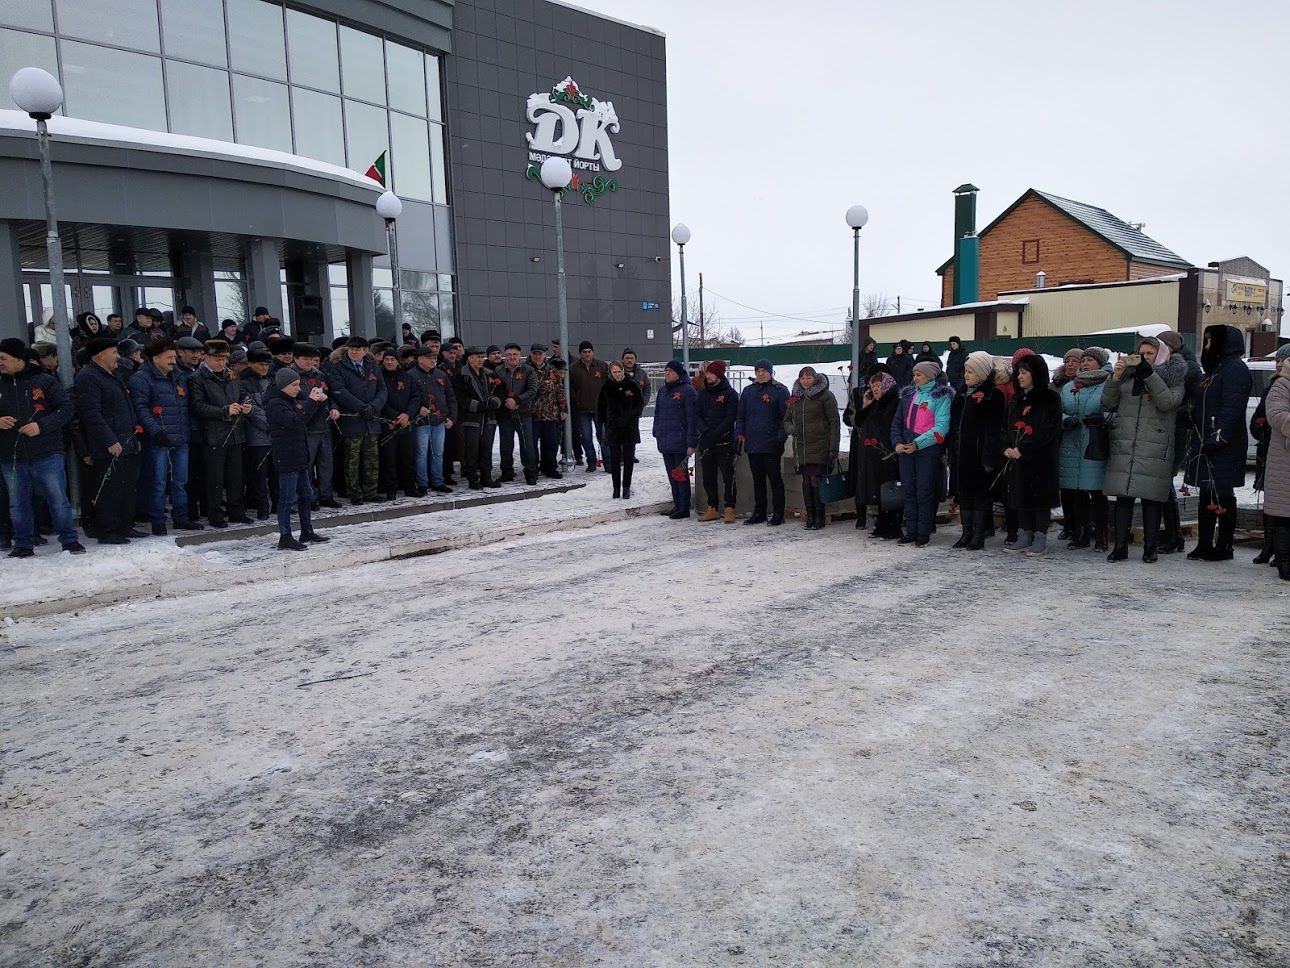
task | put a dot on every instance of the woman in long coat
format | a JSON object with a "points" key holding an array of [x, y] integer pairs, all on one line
{"points": [[1262, 434], [1032, 434], [873, 461], [1216, 445], [976, 423], [1081, 475], [812, 420], [1276, 478], [1145, 399], [619, 412]]}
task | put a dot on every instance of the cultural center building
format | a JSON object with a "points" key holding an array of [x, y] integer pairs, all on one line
{"points": [[228, 154]]}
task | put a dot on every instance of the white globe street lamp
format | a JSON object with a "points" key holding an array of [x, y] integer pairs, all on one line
{"points": [[857, 218], [681, 236], [389, 206], [38, 93], [556, 174]]}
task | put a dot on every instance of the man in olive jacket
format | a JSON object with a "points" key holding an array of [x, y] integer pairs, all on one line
{"points": [[586, 377], [219, 411]]}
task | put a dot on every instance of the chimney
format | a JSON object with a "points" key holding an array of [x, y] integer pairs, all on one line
{"points": [[1041, 279], [967, 266]]}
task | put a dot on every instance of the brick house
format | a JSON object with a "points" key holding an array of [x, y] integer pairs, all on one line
{"points": [[1068, 241]]}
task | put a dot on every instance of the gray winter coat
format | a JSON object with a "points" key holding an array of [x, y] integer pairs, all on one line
{"points": [[1141, 464], [1276, 479]]}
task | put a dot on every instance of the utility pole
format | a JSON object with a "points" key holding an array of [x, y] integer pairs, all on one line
{"points": [[762, 324], [897, 305], [703, 334]]}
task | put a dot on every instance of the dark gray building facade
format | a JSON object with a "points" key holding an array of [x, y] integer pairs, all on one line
{"points": [[217, 153]]}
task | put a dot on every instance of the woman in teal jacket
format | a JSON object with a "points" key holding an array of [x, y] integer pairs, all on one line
{"points": [[1079, 474], [918, 432]]}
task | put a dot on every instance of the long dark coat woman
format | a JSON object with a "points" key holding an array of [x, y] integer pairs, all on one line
{"points": [[975, 444], [873, 461], [1216, 445], [1034, 428], [619, 412]]}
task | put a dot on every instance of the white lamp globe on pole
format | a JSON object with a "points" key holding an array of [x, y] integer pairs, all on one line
{"points": [[556, 174], [681, 236], [389, 206], [857, 218], [37, 92]]}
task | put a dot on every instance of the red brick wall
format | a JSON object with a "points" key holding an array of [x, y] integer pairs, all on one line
{"points": [[1067, 252]]}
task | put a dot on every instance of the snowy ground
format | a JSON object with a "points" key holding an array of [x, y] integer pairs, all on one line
{"points": [[657, 743]]}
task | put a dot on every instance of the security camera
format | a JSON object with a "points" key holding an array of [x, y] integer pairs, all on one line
{"points": [[658, 258]]}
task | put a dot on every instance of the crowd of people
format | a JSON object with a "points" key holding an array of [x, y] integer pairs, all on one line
{"points": [[171, 430], [1096, 438], [170, 427]]}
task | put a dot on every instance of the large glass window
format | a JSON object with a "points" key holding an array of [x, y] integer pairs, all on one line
{"points": [[263, 117], [125, 23], [199, 102], [319, 133], [255, 38], [434, 94], [27, 13], [115, 86], [362, 67], [230, 296], [366, 134], [405, 69], [410, 157], [194, 30], [438, 163], [311, 42], [19, 49]]}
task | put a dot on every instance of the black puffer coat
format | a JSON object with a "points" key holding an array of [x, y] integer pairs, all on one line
{"points": [[1034, 427], [975, 441], [873, 461], [1219, 438], [619, 411]]}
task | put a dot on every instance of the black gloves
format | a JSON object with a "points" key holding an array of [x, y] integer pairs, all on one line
{"points": [[161, 438], [1093, 420], [1144, 369], [494, 403], [1069, 422], [367, 412]]}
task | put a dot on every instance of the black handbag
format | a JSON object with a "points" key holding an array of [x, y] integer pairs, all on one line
{"points": [[1099, 443], [891, 496], [836, 487]]}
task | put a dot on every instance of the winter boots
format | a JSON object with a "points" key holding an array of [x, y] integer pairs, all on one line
{"points": [[1038, 545], [729, 515], [1281, 547], [1268, 552], [1123, 522], [288, 543], [812, 504], [1150, 531], [1171, 536], [1222, 518], [708, 516], [980, 529], [1023, 541], [310, 536]]}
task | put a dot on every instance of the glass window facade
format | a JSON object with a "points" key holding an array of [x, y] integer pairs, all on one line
{"points": [[367, 133], [256, 41], [362, 66], [199, 101], [121, 23], [410, 152], [311, 47], [261, 113], [194, 30], [406, 78], [320, 131], [36, 14], [19, 49], [111, 85]]}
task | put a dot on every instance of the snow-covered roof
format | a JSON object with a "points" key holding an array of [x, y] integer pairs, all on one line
{"points": [[1150, 280], [119, 136], [1147, 329], [604, 16], [1001, 303]]}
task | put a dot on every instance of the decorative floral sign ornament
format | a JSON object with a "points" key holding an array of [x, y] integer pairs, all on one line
{"points": [[572, 124]]}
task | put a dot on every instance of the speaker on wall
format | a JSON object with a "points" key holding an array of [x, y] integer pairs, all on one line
{"points": [[308, 317]]}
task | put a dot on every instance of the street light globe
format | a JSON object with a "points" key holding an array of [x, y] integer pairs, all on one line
{"points": [[556, 174], [36, 91], [681, 234], [857, 216], [388, 206]]}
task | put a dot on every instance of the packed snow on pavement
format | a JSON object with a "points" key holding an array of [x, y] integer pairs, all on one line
{"points": [[658, 743]]}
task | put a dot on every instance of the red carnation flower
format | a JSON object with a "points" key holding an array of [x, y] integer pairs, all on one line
{"points": [[1028, 429], [138, 428], [39, 407], [939, 438], [923, 405], [678, 473], [978, 396], [791, 401], [765, 398], [157, 410], [1020, 424]]}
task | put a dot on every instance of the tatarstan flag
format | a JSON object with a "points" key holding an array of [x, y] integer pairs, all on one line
{"points": [[377, 171]]}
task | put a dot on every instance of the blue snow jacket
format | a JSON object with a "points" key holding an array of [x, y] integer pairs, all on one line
{"points": [[760, 417], [161, 404], [675, 426], [716, 409]]}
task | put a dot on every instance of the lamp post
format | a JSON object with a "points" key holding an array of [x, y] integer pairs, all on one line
{"points": [[39, 94], [857, 217], [556, 174], [681, 235], [390, 207]]}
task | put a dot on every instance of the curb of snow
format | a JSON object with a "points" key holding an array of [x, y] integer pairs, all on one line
{"points": [[321, 564]]}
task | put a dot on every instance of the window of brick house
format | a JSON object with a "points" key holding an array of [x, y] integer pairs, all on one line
{"points": [[1030, 252]]}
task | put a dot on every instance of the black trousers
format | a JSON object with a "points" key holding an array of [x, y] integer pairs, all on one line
{"points": [[199, 505], [620, 458], [255, 474], [398, 455], [111, 489], [768, 467], [477, 453], [222, 482], [721, 457]]}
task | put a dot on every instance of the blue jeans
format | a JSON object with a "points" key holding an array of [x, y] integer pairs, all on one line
{"points": [[429, 460], [920, 474], [510, 427], [584, 426], [681, 488], [167, 470], [293, 488], [47, 477]]}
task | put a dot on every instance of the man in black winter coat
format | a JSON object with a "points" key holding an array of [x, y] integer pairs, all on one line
{"points": [[360, 392], [34, 409], [515, 417], [219, 406], [715, 410], [398, 447], [478, 400], [112, 445]]}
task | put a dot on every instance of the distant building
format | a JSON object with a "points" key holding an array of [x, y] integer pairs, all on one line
{"points": [[1068, 242]]}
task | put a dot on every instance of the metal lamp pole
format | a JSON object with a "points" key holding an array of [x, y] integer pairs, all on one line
{"points": [[556, 174], [389, 206], [857, 216], [681, 235]]}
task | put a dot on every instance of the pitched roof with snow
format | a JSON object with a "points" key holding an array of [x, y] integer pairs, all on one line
{"points": [[1133, 242]]}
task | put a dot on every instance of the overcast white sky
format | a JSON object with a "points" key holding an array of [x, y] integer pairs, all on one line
{"points": [[1168, 112]]}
